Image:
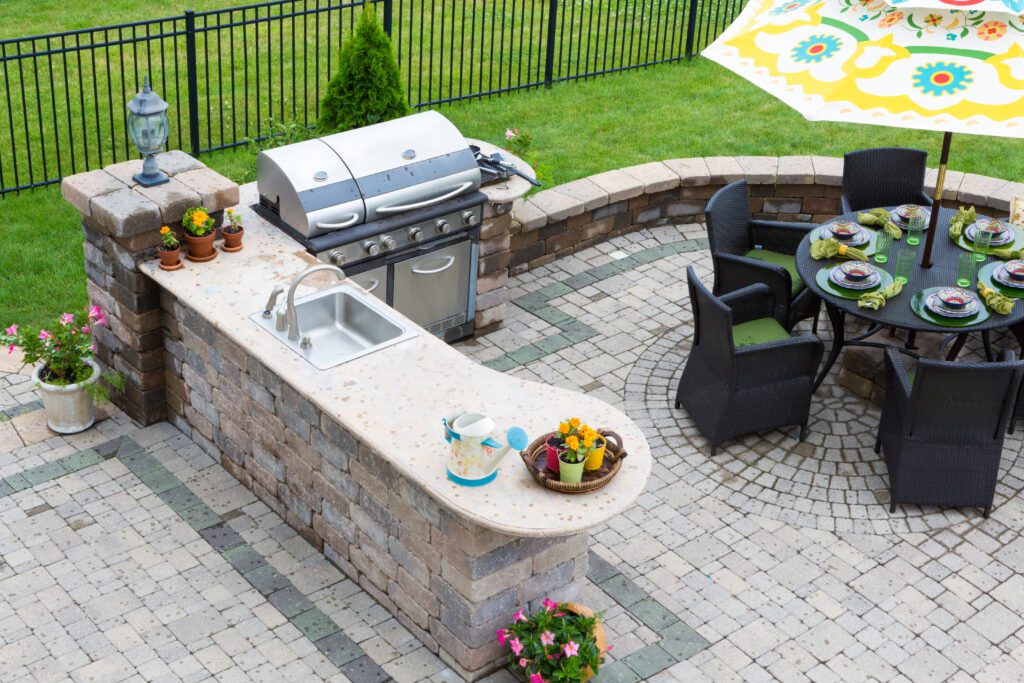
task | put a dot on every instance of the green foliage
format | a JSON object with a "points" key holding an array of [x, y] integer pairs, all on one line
{"points": [[367, 88], [62, 347], [552, 645]]}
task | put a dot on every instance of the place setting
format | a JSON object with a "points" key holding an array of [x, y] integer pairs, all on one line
{"points": [[851, 279], [984, 235], [1006, 277], [849, 234], [949, 306]]}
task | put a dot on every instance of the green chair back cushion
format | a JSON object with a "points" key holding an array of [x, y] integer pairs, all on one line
{"points": [[759, 331], [785, 260]]}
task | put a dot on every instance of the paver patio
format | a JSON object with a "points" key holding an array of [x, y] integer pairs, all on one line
{"points": [[128, 553]]}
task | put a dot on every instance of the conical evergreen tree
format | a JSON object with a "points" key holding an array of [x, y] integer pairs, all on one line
{"points": [[367, 88]]}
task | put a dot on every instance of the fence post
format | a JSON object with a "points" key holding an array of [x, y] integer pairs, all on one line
{"points": [[549, 59], [388, 9], [192, 73], [691, 28]]}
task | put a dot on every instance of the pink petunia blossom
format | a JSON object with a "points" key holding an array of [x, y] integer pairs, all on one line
{"points": [[92, 347], [10, 349], [509, 134], [95, 312], [537, 678], [85, 329], [67, 319], [519, 617], [547, 638], [516, 646], [571, 648], [523, 661], [549, 604], [502, 636], [12, 330], [44, 335]]}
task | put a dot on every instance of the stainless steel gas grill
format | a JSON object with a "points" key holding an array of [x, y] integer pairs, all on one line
{"points": [[395, 204]]}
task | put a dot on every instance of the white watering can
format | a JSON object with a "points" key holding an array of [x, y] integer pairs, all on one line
{"points": [[475, 452]]}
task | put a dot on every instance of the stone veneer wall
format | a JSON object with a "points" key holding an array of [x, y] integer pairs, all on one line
{"points": [[450, 582], [556, 222], [492, 266], [121, 223]]}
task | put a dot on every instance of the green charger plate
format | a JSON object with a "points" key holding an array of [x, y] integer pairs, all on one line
{"points": [[868, 249], [985, 275], [1017, 243], [832, 288], [922, 311]]}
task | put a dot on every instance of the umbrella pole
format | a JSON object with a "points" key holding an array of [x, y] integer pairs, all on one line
{"points": [[926, 260]]}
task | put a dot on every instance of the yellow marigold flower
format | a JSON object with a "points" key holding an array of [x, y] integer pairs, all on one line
{"points": [[573, 443], [164, 230], [563, 428], [230, 211], [200, 217], [588, 441], [574, 421]]}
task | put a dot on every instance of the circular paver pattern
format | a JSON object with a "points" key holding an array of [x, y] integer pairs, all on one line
{"points": [[833, 481]]}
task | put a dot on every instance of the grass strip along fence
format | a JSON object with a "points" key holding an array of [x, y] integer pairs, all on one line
{"points": [[228, 73]]}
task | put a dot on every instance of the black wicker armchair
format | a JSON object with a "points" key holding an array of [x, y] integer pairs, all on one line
{"points": [[746, 251], [745, 373], [884, 176], [942, 436]]}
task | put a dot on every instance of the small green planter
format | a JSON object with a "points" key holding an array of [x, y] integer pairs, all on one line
{"points": [[570, 472]]}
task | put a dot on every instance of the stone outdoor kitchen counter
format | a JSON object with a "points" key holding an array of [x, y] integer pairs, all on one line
{"points": [[393, 399]]}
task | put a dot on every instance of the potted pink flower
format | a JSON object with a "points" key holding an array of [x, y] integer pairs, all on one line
{"points": [[66, 375], [559, 642]]}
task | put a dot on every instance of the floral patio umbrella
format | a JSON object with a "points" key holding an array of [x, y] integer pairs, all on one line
{"points": [[869, 61]]}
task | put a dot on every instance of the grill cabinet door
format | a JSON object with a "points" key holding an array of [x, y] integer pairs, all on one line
{"points": [[432, 288]]}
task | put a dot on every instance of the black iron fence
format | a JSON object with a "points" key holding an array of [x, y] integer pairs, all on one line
{"points": [[228, 72]]}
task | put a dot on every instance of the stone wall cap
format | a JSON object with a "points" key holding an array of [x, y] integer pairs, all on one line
{"points": [[796, 170], [723, 170], [618, 184], [124, 171], [828, 171], [592, 196], [692, 172], [173, 198], [978, 189], [176, 161], [125, 213], [759, 170], [529, 215], [79, 189], [556, 205], [656, 176], [215, 191]]}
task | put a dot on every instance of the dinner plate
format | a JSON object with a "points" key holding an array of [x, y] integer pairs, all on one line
{"points": [[1000, 275], [918, 306], [860, 238], [900, 220], [1003, 238], [935, 305], [838, 278]]}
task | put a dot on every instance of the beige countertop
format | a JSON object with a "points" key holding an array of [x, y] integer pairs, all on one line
{"points": [[393, 399]]}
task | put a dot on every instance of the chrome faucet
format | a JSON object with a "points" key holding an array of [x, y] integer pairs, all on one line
{"points": [[293, 323]]}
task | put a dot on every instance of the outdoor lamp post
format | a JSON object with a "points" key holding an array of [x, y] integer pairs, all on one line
{"points": [[148, 128]]}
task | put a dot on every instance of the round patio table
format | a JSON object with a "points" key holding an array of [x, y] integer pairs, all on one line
{"points": [[897, 312]]}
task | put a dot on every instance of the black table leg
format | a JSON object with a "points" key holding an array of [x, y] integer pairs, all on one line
{"points": [[1018, 334], [954, 350], [911, 339], [986, 339], [837, 319]]}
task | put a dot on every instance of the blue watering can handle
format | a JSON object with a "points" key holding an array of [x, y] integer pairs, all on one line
{"points": [[449, 434]]}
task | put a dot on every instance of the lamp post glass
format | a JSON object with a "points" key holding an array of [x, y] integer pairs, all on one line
{"points": [[148, 127]]}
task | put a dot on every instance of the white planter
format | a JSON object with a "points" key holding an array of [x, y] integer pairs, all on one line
{"points": [[69, 408]]}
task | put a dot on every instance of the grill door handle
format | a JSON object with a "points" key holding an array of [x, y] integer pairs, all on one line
{"points": [[433, 271], [428, 202], [337, 226]]}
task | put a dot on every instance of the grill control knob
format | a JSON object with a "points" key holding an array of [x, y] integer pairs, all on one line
{"points": [[415, 234], [468, 218], [387, 243], [337, 258], [443, 227], [371, 248]]}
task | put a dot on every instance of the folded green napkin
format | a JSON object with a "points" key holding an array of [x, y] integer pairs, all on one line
{"points": [[1005, 253], [880, 218], [876, 299], [961, 220], [827, 248], [999, 303]]}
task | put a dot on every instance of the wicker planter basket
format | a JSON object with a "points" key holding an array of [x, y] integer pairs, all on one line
{"points": [[535, 459]]}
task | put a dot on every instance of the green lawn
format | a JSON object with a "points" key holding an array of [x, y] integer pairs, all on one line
{"points": [[678, 110]]}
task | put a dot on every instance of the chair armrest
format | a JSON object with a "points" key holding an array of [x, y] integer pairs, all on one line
{"points": [[925, 199], [897, 382], [736, 272], [784, 359], [750, 303], [844, 204], [780, 236]]}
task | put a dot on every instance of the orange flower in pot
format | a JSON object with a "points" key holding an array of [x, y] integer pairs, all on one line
{"points": [[199, 234], [233, 232], [169, 250]]}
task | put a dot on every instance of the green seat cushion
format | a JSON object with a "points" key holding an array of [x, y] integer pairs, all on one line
{"points": [[785, 260], [759, 331]]}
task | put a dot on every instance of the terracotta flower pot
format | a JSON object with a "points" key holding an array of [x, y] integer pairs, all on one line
{"points": [[232, 240], [170, 259], [599, 636], [200, 248], [554, 447]]}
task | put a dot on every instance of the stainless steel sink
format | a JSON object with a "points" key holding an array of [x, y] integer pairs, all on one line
{"points": [[338, 325]]}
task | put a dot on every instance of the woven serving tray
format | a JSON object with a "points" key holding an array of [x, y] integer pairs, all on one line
{"points": [[535, 458]]}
